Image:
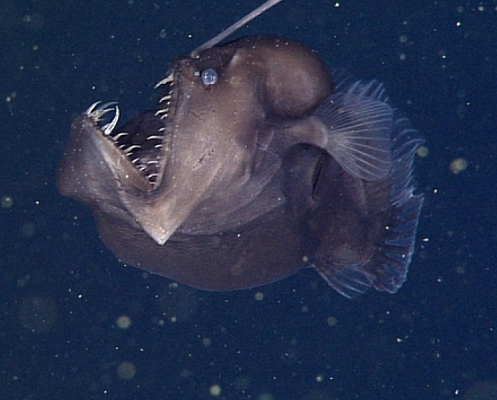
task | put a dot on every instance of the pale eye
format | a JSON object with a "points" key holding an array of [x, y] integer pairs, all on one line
{"points": [[209, 76]]}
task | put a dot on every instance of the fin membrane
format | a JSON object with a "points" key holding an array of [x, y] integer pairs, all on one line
{"points": [[359, 123], [372, 143], [349, 280]]}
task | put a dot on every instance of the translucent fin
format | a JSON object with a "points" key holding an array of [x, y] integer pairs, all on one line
{"points": [[350, 280], [405, 142], [391, 260], [395, 246], [359, 122], [358, 249], [342, 79]]}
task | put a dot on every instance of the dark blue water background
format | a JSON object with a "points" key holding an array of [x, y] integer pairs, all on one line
{"points": [[62, 293]]}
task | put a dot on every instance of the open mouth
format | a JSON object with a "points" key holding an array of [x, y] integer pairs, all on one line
{"points": [[144, 139]]}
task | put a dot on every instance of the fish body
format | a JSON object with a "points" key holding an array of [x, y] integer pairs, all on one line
{"points": [[254, 164]]}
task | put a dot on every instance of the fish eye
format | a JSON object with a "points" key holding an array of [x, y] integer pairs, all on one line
{"points": [[209, 76]]}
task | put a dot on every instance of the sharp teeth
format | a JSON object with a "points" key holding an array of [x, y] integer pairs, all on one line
{"points": [[167, 79], [90, 109], [112, 124], [119, 136], [163, 113], [107, 106], [97, 111], [130, 149]]}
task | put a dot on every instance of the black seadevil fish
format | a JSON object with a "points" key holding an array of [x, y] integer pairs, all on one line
{"points": [[254, 165]]}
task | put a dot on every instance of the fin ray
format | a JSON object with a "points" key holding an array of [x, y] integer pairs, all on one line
{"points": [[376, 146], [350, 280], [359, 123]]}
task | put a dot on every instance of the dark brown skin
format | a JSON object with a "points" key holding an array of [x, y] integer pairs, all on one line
{"points": [[250, 183]]}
